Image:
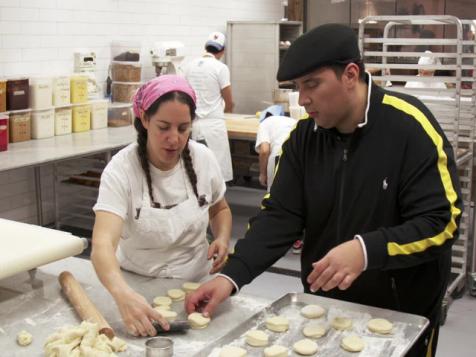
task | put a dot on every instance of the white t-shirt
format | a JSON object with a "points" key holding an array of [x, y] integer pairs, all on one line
{"points": [[273, 130], [208, 76], [121, 181], [425, 85]]}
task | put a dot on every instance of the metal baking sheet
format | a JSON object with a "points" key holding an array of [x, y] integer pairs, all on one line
{"points": [[406, 328]]}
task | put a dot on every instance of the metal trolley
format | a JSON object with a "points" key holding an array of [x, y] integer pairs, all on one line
{"points": [[391, 47]]}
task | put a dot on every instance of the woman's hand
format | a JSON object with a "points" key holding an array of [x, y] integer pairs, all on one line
{"points": [[219, 251], [138, 315]]}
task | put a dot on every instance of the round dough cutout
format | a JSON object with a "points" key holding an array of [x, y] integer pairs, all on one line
{"points": [[313, 311], [167, 314], [352, 343], [176, 294], [277, 324], [232, 351], [257, 338], [305, 347], [24, 338], [188, 287], [162, 301], [381, 326], [314, 330], [198, 321], [341, 323], [276, 351]]}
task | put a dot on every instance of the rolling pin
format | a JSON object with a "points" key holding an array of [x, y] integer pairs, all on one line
{"points": [[82, 304]]}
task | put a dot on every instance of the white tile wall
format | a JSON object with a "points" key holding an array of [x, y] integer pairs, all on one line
{"points": [[38, 37]]}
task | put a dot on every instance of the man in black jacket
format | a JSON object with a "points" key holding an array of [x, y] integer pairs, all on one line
{"points": [[370, 179]]}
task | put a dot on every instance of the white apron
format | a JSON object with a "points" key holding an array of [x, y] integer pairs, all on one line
{"points": [[215, 134], [166, 243]]}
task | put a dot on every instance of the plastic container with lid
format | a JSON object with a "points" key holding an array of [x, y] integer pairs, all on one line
{"points": [[41, 93], [43, 123], [81, 118], [18, 94], [123, 92], [3, 131], [79, 89], [3, 95], [20, 125], [61, 91], [63, 120], [99, 113], [119, 114], [125, 51], [125, 71]]}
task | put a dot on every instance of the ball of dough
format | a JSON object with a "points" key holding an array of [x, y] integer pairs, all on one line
{"points": [[352, 343], [276, 351], [312, 311], [381, 326], [314, 330], [341, 323], [305, 347], [257, 338], [162, 301], [232, 351], [24, 338], [277, 324], [169, 315], [176, 294], [188, 287], [198, 321]]}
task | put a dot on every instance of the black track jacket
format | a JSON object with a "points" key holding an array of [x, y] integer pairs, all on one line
{"points": [[393, 181]]}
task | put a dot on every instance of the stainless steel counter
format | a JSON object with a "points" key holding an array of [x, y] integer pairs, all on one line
{"points": [[39, 307]]}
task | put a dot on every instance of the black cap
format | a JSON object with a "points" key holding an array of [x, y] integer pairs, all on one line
{"points": [[323, 45]]}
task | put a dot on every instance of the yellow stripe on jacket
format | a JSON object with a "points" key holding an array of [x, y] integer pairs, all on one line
{"points": [[451, 196]]}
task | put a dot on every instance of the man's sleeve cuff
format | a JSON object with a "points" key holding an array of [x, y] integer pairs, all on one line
{"points": [[364, 249], [237, 290]]}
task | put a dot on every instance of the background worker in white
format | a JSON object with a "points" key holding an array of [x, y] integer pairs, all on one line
{"points": [[273, 130], [429, 61], [156, 199], [210, 78]]}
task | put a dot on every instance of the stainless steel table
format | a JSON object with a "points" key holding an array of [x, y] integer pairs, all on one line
{"points": [[39, 307]]}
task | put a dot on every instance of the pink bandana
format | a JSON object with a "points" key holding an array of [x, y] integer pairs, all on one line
{"points": [[157, 87]]}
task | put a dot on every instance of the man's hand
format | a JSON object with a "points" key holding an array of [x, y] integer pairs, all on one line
{"points": [[208, 296], [339, 268]]}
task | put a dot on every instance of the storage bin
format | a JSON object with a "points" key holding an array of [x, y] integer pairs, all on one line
{"points": [[43, 123], [41, 93], [3, 95], [81, 118], [18, 93], [61, 91], [79, 89], [119, 114], [20, 125], [125, 51], [123, 92], [3, 131], [63, 120], [99, 113], [125, 71]]}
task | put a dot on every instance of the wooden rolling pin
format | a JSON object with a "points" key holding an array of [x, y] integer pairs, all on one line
{"points": [[82, 304]]}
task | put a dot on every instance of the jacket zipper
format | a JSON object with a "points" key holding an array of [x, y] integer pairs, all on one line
{"points": [[341, 194], [395, 293]]}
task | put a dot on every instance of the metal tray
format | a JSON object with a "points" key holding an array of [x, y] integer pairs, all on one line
{"points": [[406, 328]]}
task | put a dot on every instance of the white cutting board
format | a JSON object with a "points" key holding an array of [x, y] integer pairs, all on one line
{"points": [[26, 246]]}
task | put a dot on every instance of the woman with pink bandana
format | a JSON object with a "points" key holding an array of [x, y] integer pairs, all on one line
{"points": [[156, 199]]}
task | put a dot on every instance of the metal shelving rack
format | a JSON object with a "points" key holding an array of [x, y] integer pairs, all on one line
{"points": [[386, 47]]}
